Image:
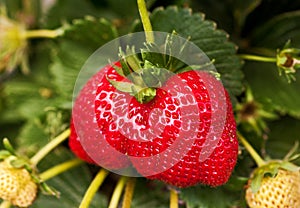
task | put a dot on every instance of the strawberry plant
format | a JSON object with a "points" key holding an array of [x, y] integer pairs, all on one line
{"points": [[146, 103]]}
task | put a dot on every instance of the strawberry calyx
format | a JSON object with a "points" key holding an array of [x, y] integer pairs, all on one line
{"points": [[272, 167], [288, 61], [148, 68]]}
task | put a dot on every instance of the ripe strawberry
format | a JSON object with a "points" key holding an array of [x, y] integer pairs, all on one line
{"points": [[283, 190], [17, 185], [76, 147], [149, 129], [144, 130], [84, 125]]}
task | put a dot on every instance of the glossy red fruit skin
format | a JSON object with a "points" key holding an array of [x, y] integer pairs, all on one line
{"points": [[217, 168], [109, 105], [125, 134], [86, 140], [76, 147]]}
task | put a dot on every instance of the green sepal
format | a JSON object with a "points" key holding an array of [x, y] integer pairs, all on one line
{"points": [[289, 166], [19, 163], [270, 170], [124, 86], [132, 59], [142, 95], [256, 182], [47, 190], [145, 95], [153, 55], [154, 77], [125, 67], [129, 61], [7, 145], [4, 154], [288, 61], [118, 69]]}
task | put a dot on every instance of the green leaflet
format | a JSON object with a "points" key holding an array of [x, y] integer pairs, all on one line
{"points": [[204, 34], [79, 41]]}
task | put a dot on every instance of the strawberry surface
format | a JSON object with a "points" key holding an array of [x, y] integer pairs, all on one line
{"points": [[184, 136], [86, 140], [75, 145]]}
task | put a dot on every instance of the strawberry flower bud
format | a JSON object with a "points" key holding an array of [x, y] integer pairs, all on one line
{"points": [[12, 44], [288, 60], [252, 116]]}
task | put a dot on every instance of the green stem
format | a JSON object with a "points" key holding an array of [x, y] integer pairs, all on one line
{"points": [[258, 58], [56, 170], [259, 161], [5, 204], [94, 186], [49, 147], [43, 33], [145, 21], [114, 201], [128, 193], [173, 198]]}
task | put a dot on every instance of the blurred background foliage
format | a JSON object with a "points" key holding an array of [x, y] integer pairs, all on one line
{"points": [[36, 106]]}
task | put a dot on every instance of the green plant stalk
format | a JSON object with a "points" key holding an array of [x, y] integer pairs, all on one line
{"points": [[58, 169], [173, 198], [43, 33], [94, 186], [259, 161], [128, 192], [114, 201], [258, 58], [49, 147], [145, 21], [5, 204]]}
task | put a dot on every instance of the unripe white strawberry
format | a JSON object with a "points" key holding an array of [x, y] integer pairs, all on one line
{"points": [[283, 190], [16, 185]]}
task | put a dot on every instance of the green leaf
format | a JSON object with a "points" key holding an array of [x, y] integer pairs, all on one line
{"points": [[276, 32], [90, 31], [242, 9], [157, 195], [220, 11], [79, 42], [204, 34], [71, 184], [25, 99], [37, 132], [68, 10], [274, 90], [282, 137], [206, 197]]}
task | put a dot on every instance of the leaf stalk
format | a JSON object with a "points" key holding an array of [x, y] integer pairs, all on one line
{"points": [[49, 147], [145, 21], [259, 161], [94, 186]]}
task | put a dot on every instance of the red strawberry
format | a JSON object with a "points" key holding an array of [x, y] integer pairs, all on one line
{"points": [[148, 131], [85, 135], [75, 145], [214, 169], [183, 133]]}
